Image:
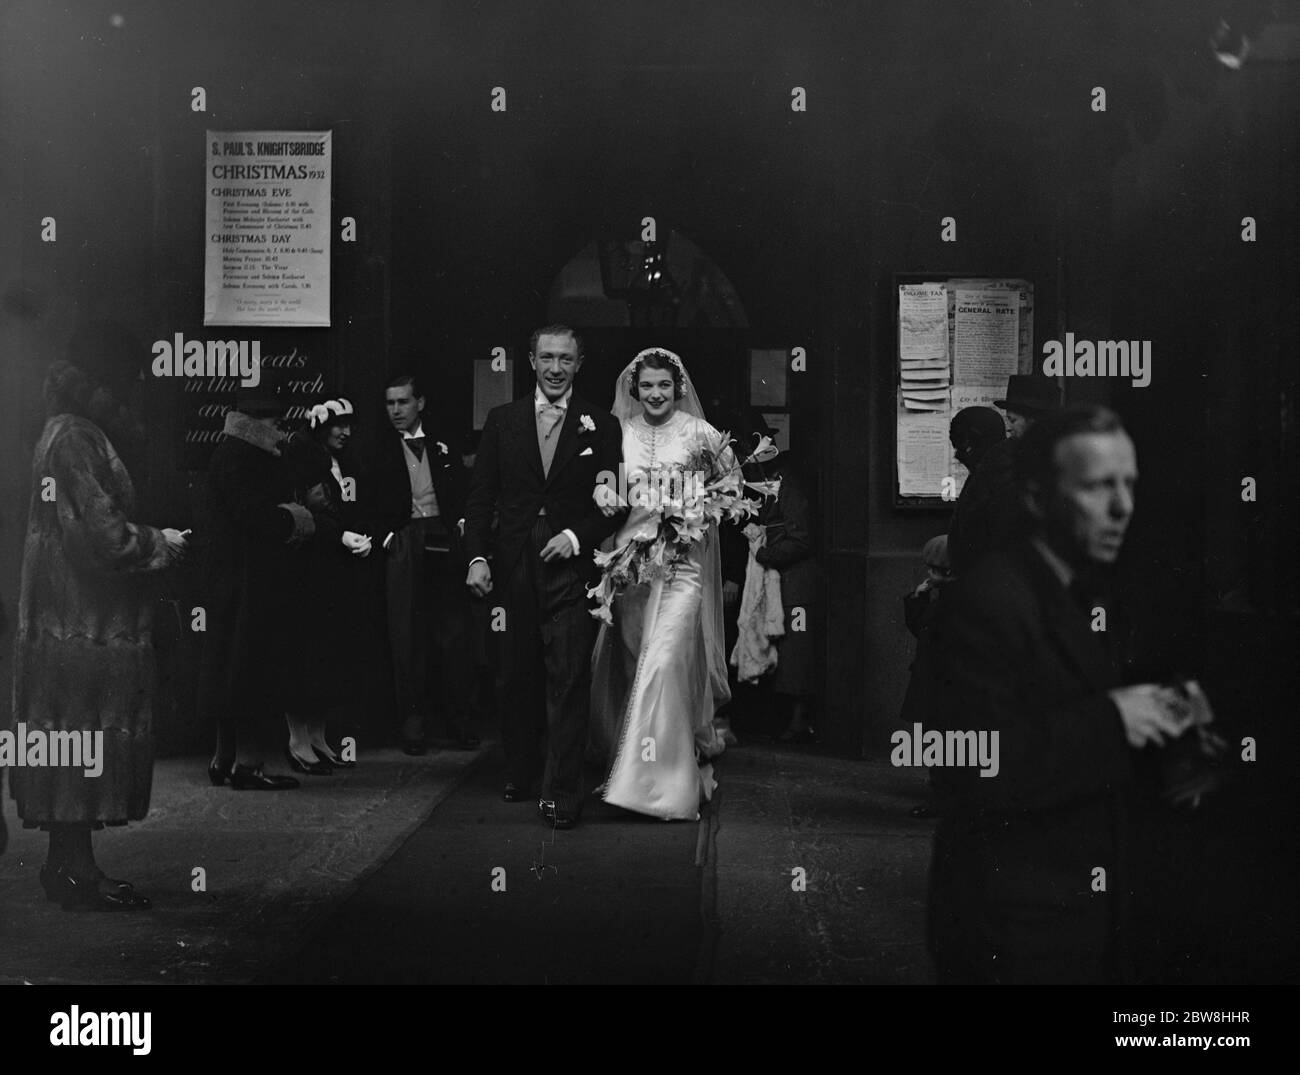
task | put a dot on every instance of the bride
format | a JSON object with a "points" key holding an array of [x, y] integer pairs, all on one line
{"points": [[659, 669]]}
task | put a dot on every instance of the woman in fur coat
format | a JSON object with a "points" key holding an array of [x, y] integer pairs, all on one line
{"points": [[83, 650]]}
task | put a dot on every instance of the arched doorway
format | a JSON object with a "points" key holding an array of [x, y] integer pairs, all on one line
{"points": [[626, 295]]}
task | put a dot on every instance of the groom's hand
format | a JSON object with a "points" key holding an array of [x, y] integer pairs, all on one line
{"points": [[479, 579], [558, 548]]}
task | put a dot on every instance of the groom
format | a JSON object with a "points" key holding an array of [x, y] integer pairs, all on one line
{"points": [[537, 465]]}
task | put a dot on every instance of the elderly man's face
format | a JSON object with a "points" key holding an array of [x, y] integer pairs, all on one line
{"points": [[1087, 514], [1017, 424]]}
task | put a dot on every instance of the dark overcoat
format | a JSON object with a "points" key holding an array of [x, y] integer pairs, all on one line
{"points": [[253, 568], [1014, 892], [325, 598]]}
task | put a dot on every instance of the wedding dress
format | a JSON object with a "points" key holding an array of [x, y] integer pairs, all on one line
{"points": [[659, 669]]}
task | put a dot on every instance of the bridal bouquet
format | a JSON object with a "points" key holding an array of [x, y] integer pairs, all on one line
{"points": [[681, 502]]}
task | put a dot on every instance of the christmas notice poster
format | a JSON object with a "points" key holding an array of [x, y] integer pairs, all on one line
{"points": [[267, 247]]}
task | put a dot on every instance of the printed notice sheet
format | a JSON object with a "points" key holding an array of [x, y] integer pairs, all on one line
{"points": [[923, 322], [1025, 291], [922, 452], [267, 240], [986, 337], [924, 375]]}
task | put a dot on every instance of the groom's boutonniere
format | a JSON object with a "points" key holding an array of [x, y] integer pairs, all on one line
{"points": [[442, 448], [587, 424]]}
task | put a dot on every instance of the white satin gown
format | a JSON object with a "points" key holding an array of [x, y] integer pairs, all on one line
{"points": [[659, 670]]}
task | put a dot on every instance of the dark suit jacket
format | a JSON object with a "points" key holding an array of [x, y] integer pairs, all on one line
{"points": [[391, 503], [508, 476], [1014, 854]]}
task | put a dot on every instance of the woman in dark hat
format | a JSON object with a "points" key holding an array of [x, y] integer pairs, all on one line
{"points": [[324, 670], [83, 651]]}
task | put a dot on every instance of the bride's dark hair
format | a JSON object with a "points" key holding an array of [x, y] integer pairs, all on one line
{"points": [[657, 360]]}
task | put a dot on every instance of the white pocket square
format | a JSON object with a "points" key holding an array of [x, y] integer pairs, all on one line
{"points": [[585, 451]]}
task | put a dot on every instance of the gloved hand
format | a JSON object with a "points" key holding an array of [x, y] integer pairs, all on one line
{"points": [[357, 544]]}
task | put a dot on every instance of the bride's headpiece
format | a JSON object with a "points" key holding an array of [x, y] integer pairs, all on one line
{"points": [[664, 352], [625, 399], [658, 352]]}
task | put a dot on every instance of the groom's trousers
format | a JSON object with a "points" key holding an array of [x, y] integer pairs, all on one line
{"points": [[544, 671]]}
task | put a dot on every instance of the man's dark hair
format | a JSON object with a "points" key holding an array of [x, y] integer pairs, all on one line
{"points": [[1036, 454], [401, 380], [554, 330]]}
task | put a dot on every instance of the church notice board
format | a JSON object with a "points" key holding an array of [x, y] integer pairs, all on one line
{"points": [[957, 340]]}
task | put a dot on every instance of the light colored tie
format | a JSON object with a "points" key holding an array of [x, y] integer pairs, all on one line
{"points": [[548, 420], [550, 416]]}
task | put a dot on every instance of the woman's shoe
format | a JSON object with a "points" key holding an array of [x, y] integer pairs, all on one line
{"points": [[242, 778], [91, 893], [332, 758], [311, 768], [103, 894], [801, 735], [219, 771]]}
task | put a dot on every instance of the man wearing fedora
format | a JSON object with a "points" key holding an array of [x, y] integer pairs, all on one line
{"points": [[1029, 396]]}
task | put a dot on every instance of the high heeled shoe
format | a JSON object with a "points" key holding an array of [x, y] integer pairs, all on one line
{"points": [[242, 778], [332, 758], [311, 768], [219, 771]]}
